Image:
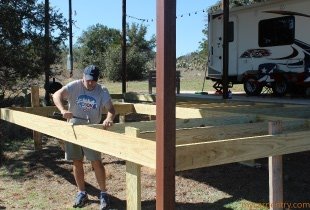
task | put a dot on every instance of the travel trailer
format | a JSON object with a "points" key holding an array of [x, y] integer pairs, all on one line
{"points": [[269, 46]]}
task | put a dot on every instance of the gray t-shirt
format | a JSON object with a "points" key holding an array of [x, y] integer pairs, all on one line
{"points": [[86, 104]]}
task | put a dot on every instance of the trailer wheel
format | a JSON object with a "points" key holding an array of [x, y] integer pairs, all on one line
{"points": [[280, 87], [252, 87]]}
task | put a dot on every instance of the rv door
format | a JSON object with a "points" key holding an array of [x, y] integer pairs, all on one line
{"points": [[216, 46], [232, 40]]}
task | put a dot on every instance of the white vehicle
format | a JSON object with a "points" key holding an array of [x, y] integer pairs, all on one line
{"points": [[269, 45]]}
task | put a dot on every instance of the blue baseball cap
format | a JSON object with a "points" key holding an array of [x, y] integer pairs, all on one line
{"points": [[91, 72]]}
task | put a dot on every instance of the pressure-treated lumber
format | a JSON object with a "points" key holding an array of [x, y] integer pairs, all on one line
{"points": [[181, 112], [275, 171], [133, 186], [120, 108], [252, 145], [133, 178], [212, 133], [144, 126], [198, 155], [129, 148], [297, 111], [131, 96], [227, 107], [40, 111], [35, 102]]}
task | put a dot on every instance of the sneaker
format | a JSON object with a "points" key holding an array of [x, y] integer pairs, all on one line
{"points": [[80, 200], [104, 201]]}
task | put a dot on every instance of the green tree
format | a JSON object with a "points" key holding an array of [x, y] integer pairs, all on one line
{"points": [[136, 38], [22, 42], [101, 46], [93, 44]]}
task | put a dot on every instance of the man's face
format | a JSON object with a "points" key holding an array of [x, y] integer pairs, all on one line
{"points": [[89, 84]]}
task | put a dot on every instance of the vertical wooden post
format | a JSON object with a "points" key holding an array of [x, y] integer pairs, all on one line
{"points": [[121, 118], [70, 39], [35, 102], [165, 104], [133, 177], [275, 172], [124, 48], [225, 7], [47, 52]]}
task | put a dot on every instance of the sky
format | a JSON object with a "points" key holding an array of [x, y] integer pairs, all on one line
{"points": [[191, 18]]}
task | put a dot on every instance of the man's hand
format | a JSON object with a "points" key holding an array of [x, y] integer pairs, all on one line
{"points": [[66, 114], [107, 123]]}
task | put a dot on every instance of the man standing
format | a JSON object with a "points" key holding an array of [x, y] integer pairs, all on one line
{"points": [[86, 101]]}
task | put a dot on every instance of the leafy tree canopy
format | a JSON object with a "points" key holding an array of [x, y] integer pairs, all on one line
{"points": [[22, 41], [101, 46], [94, 42]]}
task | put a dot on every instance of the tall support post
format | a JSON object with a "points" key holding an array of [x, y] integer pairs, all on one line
{"points": [[275, 172], [35, 102], [133, 177], [46, 53], [124, 67], [70, 39], [165, 104], [225, 6]]}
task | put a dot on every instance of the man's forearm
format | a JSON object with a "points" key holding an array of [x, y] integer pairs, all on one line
{"points": [[110, 116], [58, 103]]}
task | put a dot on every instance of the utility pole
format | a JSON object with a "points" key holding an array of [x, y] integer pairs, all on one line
{"points": [[46, 53], [124, 66], [225, 7], [70, 39]]}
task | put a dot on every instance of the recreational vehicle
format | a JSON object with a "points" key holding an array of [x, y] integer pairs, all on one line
{"points": [[269, 46]]}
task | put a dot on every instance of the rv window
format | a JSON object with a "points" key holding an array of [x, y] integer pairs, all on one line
{"points": [[230, 31], [277, 31]]}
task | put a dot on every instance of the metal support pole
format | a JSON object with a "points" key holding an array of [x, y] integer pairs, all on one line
{"points": [[165, 104]]}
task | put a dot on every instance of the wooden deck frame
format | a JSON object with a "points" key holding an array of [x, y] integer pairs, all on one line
{"points": [[221, 149]]}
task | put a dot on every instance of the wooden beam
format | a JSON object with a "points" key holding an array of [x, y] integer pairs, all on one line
{"points": [[123, 108], [120, 108], [213, 133], [275, 171], [133, 149], [226, 107], [198, 155], [144, 126], [137, 97], [215, 121], [46, 111], [181, 112], [298, 111]]}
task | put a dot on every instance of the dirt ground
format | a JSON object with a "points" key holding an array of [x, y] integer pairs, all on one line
{"points": [[44, 180]]}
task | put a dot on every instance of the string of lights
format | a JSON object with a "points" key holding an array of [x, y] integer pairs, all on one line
{"points": [[179, 16]]}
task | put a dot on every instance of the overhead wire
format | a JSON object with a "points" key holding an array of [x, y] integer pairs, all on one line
{"points": [[178, 16]]}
